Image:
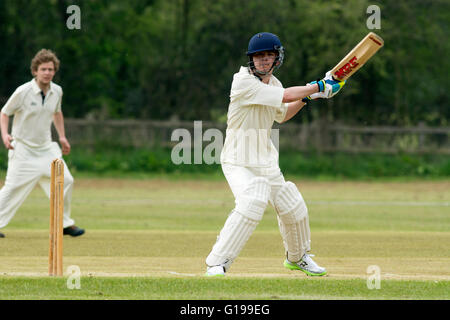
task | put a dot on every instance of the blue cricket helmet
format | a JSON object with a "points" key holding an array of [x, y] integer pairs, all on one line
{"points": [[266, 41]]}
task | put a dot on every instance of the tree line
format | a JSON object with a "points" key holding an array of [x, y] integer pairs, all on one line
{"points": [[174, 59]]}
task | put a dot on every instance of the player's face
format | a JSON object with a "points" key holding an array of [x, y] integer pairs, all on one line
{"points": [[264, 60], [45, 73]]}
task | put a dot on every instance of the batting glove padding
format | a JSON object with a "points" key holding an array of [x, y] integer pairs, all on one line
{"points": [[328, 87]]}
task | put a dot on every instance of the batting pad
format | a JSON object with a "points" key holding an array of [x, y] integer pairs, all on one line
{"points": [[253, 201], [240, 224], [293, 221]]}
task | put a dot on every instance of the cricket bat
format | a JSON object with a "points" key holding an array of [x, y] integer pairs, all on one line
{"points": [[356, 58]]}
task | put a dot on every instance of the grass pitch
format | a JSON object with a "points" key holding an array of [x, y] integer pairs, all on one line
{"points": [[148, 239]]}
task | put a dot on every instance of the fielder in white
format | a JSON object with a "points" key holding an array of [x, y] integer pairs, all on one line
{"points": [[250, 160], [34, 106]]}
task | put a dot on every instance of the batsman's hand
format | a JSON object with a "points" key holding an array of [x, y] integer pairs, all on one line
{"points": [[331, 87], [328, 87]]}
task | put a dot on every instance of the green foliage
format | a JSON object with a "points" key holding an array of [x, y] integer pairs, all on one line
{"points": [[101, 160], [346, 165], [175, 59], [132, 160]]}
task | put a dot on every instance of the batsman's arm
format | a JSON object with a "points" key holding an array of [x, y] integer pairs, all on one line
{"points": [[292, 110], [292, 94]]}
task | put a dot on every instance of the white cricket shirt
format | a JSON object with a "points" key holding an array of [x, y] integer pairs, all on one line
{"points": [[32, 116], [253, 108]]}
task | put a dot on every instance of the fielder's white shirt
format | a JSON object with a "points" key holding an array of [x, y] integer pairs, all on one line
{"points": [[33, 117], [254, 106]]}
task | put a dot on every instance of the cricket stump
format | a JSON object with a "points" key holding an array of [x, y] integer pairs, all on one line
{"points": [[55, 252]]}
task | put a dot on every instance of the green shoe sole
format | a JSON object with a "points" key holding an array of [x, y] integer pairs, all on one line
{"points": [[292, 266]]}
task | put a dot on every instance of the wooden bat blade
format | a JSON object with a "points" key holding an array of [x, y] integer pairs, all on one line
{"points": [[357, 57]]}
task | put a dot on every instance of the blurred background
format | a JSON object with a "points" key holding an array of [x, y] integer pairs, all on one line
{"points": [[137, 70]]}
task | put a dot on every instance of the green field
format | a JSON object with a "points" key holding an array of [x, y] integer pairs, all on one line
{"points": [[148, 239]]}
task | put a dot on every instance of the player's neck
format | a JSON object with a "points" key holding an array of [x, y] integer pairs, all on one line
{"points": [[264, 78], [43, 86]]}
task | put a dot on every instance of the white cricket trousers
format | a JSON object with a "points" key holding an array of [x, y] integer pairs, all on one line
{"points": [[27, 167], [231, 239], [238, 178]]}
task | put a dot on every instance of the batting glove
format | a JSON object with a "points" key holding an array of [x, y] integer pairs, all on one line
{"points": [[328, 87]]}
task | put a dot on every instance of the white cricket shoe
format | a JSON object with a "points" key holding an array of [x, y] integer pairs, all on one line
{"points": [[307, 265], [215, 271]]}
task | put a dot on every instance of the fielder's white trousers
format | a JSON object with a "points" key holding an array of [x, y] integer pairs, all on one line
{"points": [[27, 167]]}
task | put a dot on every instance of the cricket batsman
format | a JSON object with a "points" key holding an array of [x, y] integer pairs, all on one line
{"points": [[34, 105], [249, 159]]}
